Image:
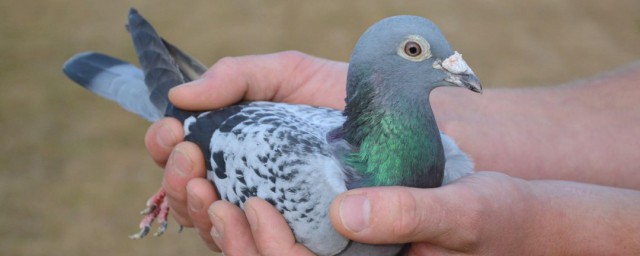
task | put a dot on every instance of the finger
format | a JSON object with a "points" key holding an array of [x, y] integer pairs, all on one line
{"points": [[270, 230], [185, 163], [230, 230], [233, 79], [201, 194], [208, 240], [161, 137], [404, 215]]}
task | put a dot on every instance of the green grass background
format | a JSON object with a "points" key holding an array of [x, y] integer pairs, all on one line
{"points": [[73, 168]]}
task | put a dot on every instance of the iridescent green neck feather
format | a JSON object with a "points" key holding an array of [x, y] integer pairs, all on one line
{"points": [[395, 135]]}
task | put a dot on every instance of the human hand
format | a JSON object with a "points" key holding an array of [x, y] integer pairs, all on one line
{"points": [[285, 77], [497, 120], [485, 213], [482, 213]]}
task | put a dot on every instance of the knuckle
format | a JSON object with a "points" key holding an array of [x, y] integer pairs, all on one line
{"points": [[149, 135], [297, 64], [470, 221], [407, 218], [181, 219], [176, 193], [469, 237], [187, 147], [291, 56], [225, 65]]}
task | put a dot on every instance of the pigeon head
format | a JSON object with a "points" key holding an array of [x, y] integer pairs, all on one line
{"points": [[389, 121], [406, 54]]}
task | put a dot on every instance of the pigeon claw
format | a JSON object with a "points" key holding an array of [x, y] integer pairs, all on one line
{"points": [[161, 229], [149, 209], [141, 234]]}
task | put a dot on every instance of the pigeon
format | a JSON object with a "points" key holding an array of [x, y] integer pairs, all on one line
{"points": [[299, 157]]}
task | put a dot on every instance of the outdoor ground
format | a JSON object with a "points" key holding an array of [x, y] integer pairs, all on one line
{"points": [[73, 168]]}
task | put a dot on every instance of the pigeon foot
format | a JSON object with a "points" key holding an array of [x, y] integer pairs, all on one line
{"points": [[157, 209]]}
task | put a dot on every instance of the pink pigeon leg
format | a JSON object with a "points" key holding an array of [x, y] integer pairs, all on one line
{"points": [[157, 208]]}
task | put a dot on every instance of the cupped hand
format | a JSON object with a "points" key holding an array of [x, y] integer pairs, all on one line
{"points": [[290, 77], [484, 213]]}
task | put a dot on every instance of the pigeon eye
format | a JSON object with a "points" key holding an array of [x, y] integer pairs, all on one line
{"points": [[412, 49], [415, 48]]}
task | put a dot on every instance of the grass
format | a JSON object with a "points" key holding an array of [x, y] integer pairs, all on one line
{"points": [[73, 168]]}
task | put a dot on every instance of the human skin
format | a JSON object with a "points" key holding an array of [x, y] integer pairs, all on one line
{"points": [[579, 132]]}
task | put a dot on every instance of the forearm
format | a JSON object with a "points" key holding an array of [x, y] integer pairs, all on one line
{"points": [[586, 131], [588, 219]]}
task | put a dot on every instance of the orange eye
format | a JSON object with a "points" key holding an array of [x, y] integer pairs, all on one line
{"points": [[412, 49]]}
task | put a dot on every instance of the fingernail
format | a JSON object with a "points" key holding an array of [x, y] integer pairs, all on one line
{"points": [[217, 230], [354, 212], [195, 204], [166, 138], [251, 218], [179, 163]]}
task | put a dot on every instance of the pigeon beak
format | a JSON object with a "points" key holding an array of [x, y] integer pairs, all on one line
{"points": [[459, 73]]}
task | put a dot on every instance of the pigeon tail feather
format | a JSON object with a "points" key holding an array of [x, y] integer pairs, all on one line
{"points": [[144, 92], [113, 79], [164, 65]]}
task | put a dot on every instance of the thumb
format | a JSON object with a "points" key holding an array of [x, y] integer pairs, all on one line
{"points": [[383, 215], [232, 79]]}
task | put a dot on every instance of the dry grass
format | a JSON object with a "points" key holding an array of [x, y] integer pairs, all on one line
{"points": [[73, 168]]}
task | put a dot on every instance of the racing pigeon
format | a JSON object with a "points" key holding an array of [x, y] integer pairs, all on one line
{"points": [[299, 157]]}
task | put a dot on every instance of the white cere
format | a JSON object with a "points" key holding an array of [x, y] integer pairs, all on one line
{"points": [[456, 64]]}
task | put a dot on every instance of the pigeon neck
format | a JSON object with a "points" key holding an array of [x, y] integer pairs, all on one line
{"points": [[396, 142]]}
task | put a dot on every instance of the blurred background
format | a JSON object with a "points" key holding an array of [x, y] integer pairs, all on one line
{"points": [[73, 167]]}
